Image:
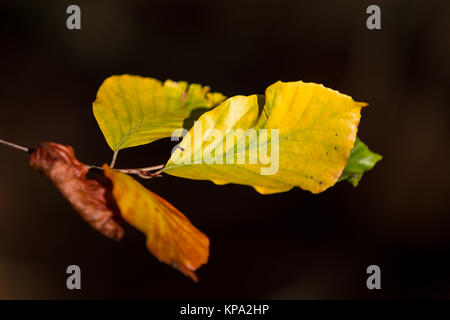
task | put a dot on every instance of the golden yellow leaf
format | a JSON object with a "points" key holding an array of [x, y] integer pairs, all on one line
{"points": [[134, 110], [309, 132], [170, 235]]}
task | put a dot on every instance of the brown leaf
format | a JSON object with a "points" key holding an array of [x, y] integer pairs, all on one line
{"points": [[92, 198]]}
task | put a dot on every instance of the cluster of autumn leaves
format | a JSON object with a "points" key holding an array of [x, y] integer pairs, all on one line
{"points": [[106, 199], [318, 147]]}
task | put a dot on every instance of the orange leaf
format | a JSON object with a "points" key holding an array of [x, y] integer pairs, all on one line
{"points": [[170, 235], [92, 198]]}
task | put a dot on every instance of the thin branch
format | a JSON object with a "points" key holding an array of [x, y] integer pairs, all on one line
{"points": [[114, 158], [144, 173], [137, 170], [15, 146]]}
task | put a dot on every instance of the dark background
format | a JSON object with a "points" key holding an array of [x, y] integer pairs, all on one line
{"points": [[293, 245]]}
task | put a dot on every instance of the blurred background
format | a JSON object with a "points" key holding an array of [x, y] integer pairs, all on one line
{"points": [[293, 245]]}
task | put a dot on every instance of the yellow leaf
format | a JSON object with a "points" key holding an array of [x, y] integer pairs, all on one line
{"points": [[300, 133], [133, 110], [170, 235]]}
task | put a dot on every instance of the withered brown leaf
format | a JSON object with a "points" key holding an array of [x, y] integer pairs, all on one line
{"points": [[91, 198]]}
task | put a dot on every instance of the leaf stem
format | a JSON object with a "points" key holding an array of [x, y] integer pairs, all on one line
{"points": [[114, 158], [15, 146]]}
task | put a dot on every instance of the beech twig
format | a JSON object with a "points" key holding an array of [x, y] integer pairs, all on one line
{"points": [[144, 173], [15, 146]]}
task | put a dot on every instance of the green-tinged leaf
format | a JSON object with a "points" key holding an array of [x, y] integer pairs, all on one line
{"points": [[361, 159], [316, 129], [133, 110]]}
